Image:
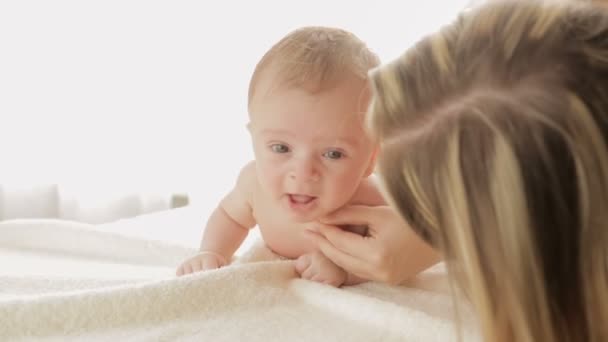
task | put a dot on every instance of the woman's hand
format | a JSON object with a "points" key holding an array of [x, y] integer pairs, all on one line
{"points": [[390, 252]]}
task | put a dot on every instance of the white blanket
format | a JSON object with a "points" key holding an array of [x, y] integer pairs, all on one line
{"points": [[66, 281]]}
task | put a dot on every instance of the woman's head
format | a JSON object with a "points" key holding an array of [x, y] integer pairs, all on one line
{"points": [[495, 135]]}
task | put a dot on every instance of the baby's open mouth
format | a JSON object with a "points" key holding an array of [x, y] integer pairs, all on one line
{"points": [[301, 199]]}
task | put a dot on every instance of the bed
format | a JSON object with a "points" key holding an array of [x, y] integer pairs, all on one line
{"points": [[68, 281]]}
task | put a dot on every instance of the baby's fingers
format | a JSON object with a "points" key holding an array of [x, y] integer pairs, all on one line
{"points": [[210, 264], [307, 271], [197, 265], [302, 263], [184, 269]]}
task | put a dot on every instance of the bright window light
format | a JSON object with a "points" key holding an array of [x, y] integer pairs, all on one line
{"points": [[152, 94]]}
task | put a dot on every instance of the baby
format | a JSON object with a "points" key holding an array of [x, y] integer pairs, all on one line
{"points": [[307, 102]]}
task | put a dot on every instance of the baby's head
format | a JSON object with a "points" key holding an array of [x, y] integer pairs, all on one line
{"points": [[307, 102]]}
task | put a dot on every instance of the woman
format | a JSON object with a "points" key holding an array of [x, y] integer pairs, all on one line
{"points": [[494, 151]]}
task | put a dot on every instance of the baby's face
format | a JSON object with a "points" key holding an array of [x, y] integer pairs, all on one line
{"points": [[311, 150]]}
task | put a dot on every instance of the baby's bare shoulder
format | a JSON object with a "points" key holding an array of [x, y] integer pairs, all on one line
{"points": [[246, 182], [247, 176], [368, 193], [238, 202]]}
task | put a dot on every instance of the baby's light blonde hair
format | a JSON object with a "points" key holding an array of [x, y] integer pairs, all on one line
{"points": [[494, 148], [315, 58]]}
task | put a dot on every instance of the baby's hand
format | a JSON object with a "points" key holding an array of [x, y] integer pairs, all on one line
{"points": [[201, 262], [317, 267]]}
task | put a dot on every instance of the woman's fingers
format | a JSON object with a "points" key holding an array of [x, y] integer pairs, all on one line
{"points": [[344, 260], [347, 242], [352, 214], [391, 252], [378, 219]]}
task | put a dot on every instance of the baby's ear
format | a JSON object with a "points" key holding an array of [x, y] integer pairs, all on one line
{"points": [[372, 162]]}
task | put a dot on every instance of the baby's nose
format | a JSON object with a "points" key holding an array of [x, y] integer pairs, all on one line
{"points": [[305, 170]]}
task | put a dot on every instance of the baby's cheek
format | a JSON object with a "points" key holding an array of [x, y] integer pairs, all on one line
{"points": [[270, 179], [341, 192]]}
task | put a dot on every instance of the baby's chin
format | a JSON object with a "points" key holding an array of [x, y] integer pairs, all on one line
{"points": [[305, 218], [310, 217], [308, 212]]}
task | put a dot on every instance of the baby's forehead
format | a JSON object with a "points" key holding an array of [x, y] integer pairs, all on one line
{"points": [[274, 78], [353, 96], [322, 118], [279, 85], [351, 133]]}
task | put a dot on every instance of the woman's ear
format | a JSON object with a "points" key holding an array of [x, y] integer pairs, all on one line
{"points": [[372, 162]]}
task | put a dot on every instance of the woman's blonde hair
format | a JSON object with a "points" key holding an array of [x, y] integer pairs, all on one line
{"points": [[494, 149], [316, 57]]}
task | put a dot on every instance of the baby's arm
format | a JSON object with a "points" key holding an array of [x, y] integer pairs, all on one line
{"points": [[226, 228], [317, 267]]}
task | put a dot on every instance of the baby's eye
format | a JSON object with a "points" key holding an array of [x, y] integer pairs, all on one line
{"points": [[333, 154], [279, 148]]}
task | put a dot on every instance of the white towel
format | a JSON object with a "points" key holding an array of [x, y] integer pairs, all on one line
{"points": [[67, 281]]}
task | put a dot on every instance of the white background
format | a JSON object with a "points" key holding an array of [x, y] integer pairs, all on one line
{"points": [[105, 95]]}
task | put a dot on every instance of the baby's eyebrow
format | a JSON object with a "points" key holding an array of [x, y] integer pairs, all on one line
{"points": [[347, 141], [269, 131]]}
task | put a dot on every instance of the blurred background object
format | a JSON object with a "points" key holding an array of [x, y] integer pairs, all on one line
{"points": [[59, 202]]}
